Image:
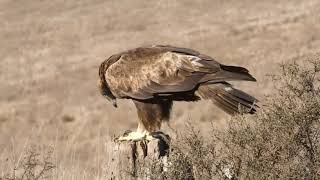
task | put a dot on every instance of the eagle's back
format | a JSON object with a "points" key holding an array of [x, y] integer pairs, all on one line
{"points": [[142, 72]]}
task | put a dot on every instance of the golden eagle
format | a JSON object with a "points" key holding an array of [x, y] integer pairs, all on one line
{"points": [[155, 76]]}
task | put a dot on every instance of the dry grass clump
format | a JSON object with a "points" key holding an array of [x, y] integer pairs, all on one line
{"points": [[35, 165], [282, 141]]}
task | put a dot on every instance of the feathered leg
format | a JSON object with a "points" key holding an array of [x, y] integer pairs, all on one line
{"points": [[151, 113]]}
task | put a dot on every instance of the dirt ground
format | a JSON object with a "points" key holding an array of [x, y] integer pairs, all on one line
{"points": [[51, 50]]}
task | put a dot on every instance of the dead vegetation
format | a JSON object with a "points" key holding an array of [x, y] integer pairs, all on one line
{"points": [[34, 165]]}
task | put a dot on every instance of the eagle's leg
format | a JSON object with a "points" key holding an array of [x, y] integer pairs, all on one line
{"points": [[150, 114]]}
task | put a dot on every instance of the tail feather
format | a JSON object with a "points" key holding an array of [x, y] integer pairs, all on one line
{"points": [[229, 99], [227, 106]]}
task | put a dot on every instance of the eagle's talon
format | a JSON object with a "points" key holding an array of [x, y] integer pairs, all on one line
{"points": [[127, 132]]}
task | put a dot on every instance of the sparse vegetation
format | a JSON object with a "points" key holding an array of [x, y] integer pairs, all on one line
{"points": [[33, 166]]}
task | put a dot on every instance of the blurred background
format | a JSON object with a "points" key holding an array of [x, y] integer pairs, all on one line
{"points": [[51, 50]]}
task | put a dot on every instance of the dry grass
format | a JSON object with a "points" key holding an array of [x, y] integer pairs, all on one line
{"points": [[51, 51], [32, 166]]}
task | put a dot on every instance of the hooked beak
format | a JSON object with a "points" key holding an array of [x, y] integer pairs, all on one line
{"points": [[113, 101]]}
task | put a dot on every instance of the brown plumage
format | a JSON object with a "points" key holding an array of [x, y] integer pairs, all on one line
{"points": [[155, 76]]}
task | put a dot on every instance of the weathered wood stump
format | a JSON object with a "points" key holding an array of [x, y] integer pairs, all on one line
{"points": [[137, 160]]}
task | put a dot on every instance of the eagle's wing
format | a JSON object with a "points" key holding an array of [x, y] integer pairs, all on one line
{"points": [[145, 72]]}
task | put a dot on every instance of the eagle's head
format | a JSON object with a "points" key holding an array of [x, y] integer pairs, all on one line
{"points": [[104, 88], [105, 92]]}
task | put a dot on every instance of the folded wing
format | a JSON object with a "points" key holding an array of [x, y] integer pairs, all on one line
{"points": [[151, 71]]}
